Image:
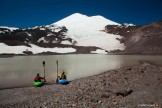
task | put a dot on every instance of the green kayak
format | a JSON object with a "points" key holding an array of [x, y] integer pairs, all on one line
{"points": [[38, 84]]}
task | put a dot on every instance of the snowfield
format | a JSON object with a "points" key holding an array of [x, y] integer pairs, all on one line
{"points": [[5, 49], [99, 51], [87, 31], [35, 49]]}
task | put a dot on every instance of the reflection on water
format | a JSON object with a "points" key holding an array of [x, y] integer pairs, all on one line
{"points": [[20, 70]]}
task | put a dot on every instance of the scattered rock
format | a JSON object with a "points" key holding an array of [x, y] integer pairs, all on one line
{"points": [[105, 96], [73, 105], [129, 68], [99, 101], [124, 93]]}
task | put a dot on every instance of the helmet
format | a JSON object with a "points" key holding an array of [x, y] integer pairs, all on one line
{"points": [[37, 74]]}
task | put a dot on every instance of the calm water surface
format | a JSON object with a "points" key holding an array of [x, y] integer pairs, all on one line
{"points": [[20, 70]]}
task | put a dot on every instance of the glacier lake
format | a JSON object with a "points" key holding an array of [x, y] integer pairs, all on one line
{"points": [[20, 71]]}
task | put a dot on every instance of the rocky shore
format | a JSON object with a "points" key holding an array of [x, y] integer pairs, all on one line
{"points": [[130, 87]]}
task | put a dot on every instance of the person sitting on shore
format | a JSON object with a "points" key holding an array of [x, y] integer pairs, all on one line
{"points": [[63, 76], [38, 78]]}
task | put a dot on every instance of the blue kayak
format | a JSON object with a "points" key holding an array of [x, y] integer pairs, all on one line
{"points": [[63, 81]]}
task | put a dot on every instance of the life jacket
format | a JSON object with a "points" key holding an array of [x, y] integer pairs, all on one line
{"points": [[63, 76]]}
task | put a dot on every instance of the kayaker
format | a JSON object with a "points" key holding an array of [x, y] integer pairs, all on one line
{"points": [[63, 76], [38, 78]]}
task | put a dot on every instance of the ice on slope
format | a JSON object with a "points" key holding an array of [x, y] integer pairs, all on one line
{"points": [[87, 31]]}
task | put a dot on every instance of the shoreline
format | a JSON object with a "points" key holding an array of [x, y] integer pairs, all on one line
{"points": [[17, 55], [130, 86]]}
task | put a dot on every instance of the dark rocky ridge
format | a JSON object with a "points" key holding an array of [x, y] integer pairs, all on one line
{"points": [[32, 35], [144, 39]]}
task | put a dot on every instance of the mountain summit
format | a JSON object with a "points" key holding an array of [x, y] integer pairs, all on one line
{"points": [[77, 21]]}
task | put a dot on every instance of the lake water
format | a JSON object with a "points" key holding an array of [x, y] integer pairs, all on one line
{"points": [[20, 70]]}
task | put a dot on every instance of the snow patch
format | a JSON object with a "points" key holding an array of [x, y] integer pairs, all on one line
{"points": [[42, 29], [127, 24], [2, 32], [28, 34], [42, 39], [11, 49], [102, 40], [57, 29], [6, 30], [54, 28], [35, 49], [66, 42], [34, 27], [99, 51], [49, 34], [10, 28]]}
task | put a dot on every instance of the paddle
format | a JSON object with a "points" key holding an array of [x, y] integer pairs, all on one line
{"points": [[44, 70], [57, 72]]}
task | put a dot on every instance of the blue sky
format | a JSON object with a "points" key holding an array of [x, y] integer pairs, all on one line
{"points": [[28, 13]]}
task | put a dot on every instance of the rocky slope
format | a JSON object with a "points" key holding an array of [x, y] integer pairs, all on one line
{"points": [[41, 34], [144, 39]]}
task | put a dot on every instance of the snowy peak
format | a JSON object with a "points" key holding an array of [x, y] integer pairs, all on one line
{"points": [[77, 15], [78, 20]]}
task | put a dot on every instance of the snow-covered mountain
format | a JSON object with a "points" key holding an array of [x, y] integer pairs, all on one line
{"points": [[79, 33], [85, 34], [87, 31]]}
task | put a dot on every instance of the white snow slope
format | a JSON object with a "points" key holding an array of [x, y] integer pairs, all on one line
{"points": [[35, 49], [87, 31]]}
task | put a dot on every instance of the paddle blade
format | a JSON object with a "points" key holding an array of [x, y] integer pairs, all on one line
{"points": [[57, 62], [43, 63]]}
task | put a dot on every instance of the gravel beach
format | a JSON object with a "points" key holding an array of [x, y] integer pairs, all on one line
{"points": [[130, 87]]}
